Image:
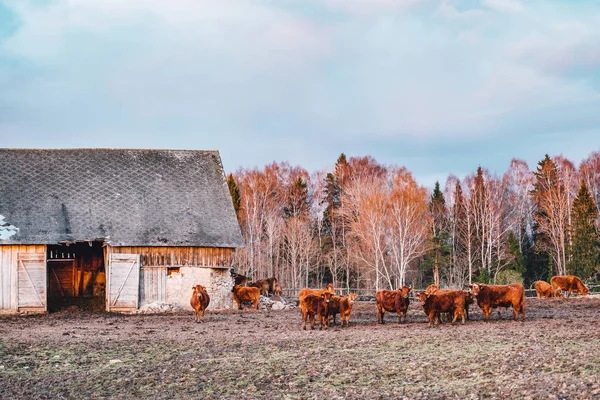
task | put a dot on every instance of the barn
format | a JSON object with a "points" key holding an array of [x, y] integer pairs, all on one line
{"points": [[121, 227]]}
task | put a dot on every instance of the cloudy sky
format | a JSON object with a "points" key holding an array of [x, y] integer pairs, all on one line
{"points": [[440, 86]]}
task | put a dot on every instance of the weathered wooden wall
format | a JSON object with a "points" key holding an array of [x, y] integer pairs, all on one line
{"points": [[9, 276], [179, 256]]}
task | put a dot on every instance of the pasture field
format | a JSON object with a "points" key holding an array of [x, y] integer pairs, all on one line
{"points": [[266, 355]]}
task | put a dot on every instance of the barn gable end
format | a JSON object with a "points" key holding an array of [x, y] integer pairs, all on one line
{"points": [[171, 209]]}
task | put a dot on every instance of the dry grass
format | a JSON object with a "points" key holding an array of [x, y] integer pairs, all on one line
{"points": [[261, 354]]}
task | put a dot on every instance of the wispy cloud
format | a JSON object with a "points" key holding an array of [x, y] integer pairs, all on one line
{"points": [[204, 73]]}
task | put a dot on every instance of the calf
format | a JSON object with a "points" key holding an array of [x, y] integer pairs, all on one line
{"points": [[494, 296], [545, 290], [277, 290], [242, 294], [343, 306], [393, 301], [570, 283], [447, 301], [316, 305], [199, 301], [306, 291]]}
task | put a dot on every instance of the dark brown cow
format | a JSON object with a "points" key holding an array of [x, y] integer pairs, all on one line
{"points": [[393, 301], [242, 294], [262, 285], [316, 305], [494, 296], [545, 290], [446, 301], [239, 279], [199, 301], [469, 299], [342, 305], [570, 283], [306, 291], [272, 282]]}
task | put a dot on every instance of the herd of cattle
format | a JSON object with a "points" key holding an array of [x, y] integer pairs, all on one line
{"points": [[323, 304]]}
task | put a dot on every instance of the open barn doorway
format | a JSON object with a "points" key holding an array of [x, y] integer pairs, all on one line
{"points": [[76, 276]]}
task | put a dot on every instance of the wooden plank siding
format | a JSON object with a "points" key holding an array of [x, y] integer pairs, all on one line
{"points": [[179, 256], [9, 276]]}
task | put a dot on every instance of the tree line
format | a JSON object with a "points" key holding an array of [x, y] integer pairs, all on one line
{"points": [[372, 226]]}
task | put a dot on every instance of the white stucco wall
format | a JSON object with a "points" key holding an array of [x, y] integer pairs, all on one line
{"points": [[218, 283]]}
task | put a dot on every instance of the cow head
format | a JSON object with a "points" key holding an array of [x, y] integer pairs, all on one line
{"points": [[584, 289], [422, 296], [326, 296], [352, 297], [431, 289], [405, 291], [235, 288], [329, 289], [476, 288]]}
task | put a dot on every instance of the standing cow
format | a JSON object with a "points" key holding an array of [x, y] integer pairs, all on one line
{"points": [[314, 305], [393, 301], [570, 283], [342, 305], [443, 301], [494, 296], [199, 301], [242, 294]]}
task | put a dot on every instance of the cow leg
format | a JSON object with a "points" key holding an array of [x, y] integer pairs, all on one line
{"points": [[455, 316], [462, 314], [304, 317], [467, 313], [312, 321], [568, 293], [486, 313], [380, 316]]}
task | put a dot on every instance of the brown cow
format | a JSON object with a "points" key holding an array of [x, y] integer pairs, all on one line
{"points": [[343, 306], [199, 301], [242, 294], [570, 283], [306, 291], [239, 279], [262, 285], [393, 301], [469, 299], [316, 305], [493, 296], [446, 301], [277, 290], [545, 290], [272, 282]]}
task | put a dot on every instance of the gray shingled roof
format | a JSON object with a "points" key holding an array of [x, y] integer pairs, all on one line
{"points": [[127, 197]]}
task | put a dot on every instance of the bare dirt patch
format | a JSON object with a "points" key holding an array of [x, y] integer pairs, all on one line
{"points": [[265, 354]]}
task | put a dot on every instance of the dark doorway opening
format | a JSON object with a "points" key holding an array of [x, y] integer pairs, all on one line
{"points": [[76, 277]]}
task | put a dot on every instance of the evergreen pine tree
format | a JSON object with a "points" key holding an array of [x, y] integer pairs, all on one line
{"points": [[442, 249], [234, 190], [585, 246]]}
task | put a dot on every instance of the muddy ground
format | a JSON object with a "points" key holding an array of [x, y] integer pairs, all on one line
{"points": [[265, 354]]}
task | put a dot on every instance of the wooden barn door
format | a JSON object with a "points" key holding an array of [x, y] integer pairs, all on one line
{"points": [[153, 285], [32, 282], [123, 286]]}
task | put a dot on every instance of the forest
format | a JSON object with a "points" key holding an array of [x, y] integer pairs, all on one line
{"points": [[364, 225]]}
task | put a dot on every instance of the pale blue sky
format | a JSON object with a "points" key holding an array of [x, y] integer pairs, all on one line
{"points": [[440, 86]]}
